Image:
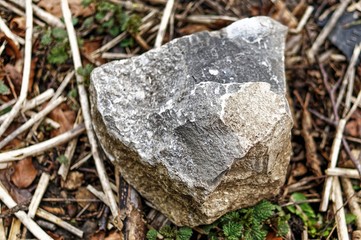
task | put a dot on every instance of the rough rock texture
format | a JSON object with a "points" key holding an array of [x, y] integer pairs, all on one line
{"points": [[200, 126]]}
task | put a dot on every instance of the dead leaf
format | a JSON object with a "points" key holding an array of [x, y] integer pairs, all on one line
{"points": [[18, 26], [100, 235], [114, 235], [24, 173], [82, 194], [73, 181], [15, 76], [54, 210], [193, 28], [299, 170], [65, 117], [76, 8], [90, 46], [11, 49], [55, 236], [273, 236]]}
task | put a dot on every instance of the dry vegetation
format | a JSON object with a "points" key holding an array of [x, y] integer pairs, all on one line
{"points": [[56, 184]]}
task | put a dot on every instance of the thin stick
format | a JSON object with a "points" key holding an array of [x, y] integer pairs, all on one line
{"points": [[6, 30], [69, 151], [39, 148], [164, 23], [352, 201], [334, 155], [26, 72], [50, 107], [343, 172], [58, 221], [81, 162], [98, 194], [339, 210], [7, 104], [87, 118], [36, 101], [48, 121], [326, 30], [109, 44], [43, 15], [2, 229], [303, 20], [63, 85], [19, 12], [22, 216], [38, 195], [14, 229], [354, 106], [350, 75]]}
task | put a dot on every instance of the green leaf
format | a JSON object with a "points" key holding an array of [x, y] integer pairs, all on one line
{"points": [[263, 210], [232, 229], [88, 22], [73, 93], [58, 55], [85, 71], [132, 23], [62, 159], [86, 3], [167, 231], [4, 90], [59, 33], [152, 234], [46, 39], [184, 233], [350, 218], [128, 42], [100, 16]]}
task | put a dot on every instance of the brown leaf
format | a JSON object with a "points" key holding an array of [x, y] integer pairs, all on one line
{"points": [[65, 117], [90, 46], [73, 181], [193, 28], [14, 75], [54, 210], [11, 49], [24, 173], [76, 8], [18, 26], [100, 235], [82, 194], [115, 235]]}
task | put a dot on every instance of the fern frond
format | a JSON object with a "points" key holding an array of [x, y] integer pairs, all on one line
{"points": [[184, 233], [232, 230], [152, 234], [263, 210]]}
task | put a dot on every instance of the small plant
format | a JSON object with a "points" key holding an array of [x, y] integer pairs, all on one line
{"points": [[169, 233], [4, 90], [316, 226], [110, 18], [56, 39], [250, 223], [85, 72], [247, 224]]}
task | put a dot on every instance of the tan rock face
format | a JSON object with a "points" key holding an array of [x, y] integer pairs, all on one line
{"points": [[200, 126]]}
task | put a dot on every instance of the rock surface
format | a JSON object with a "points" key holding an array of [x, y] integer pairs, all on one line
{"points": [[200, 126]]}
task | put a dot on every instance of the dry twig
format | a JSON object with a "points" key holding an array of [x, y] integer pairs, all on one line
{"points": [[326, 30], [22, 216], [87, 118], [163, 24], [39, 148], [26, 71]]}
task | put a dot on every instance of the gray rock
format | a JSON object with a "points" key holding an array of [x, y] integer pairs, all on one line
{"points": [[200, 126]]}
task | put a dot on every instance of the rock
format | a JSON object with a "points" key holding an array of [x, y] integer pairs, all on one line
{"points": [[200, 126]]}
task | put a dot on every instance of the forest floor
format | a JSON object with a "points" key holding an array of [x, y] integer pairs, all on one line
{"points": [[51, 169]]}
